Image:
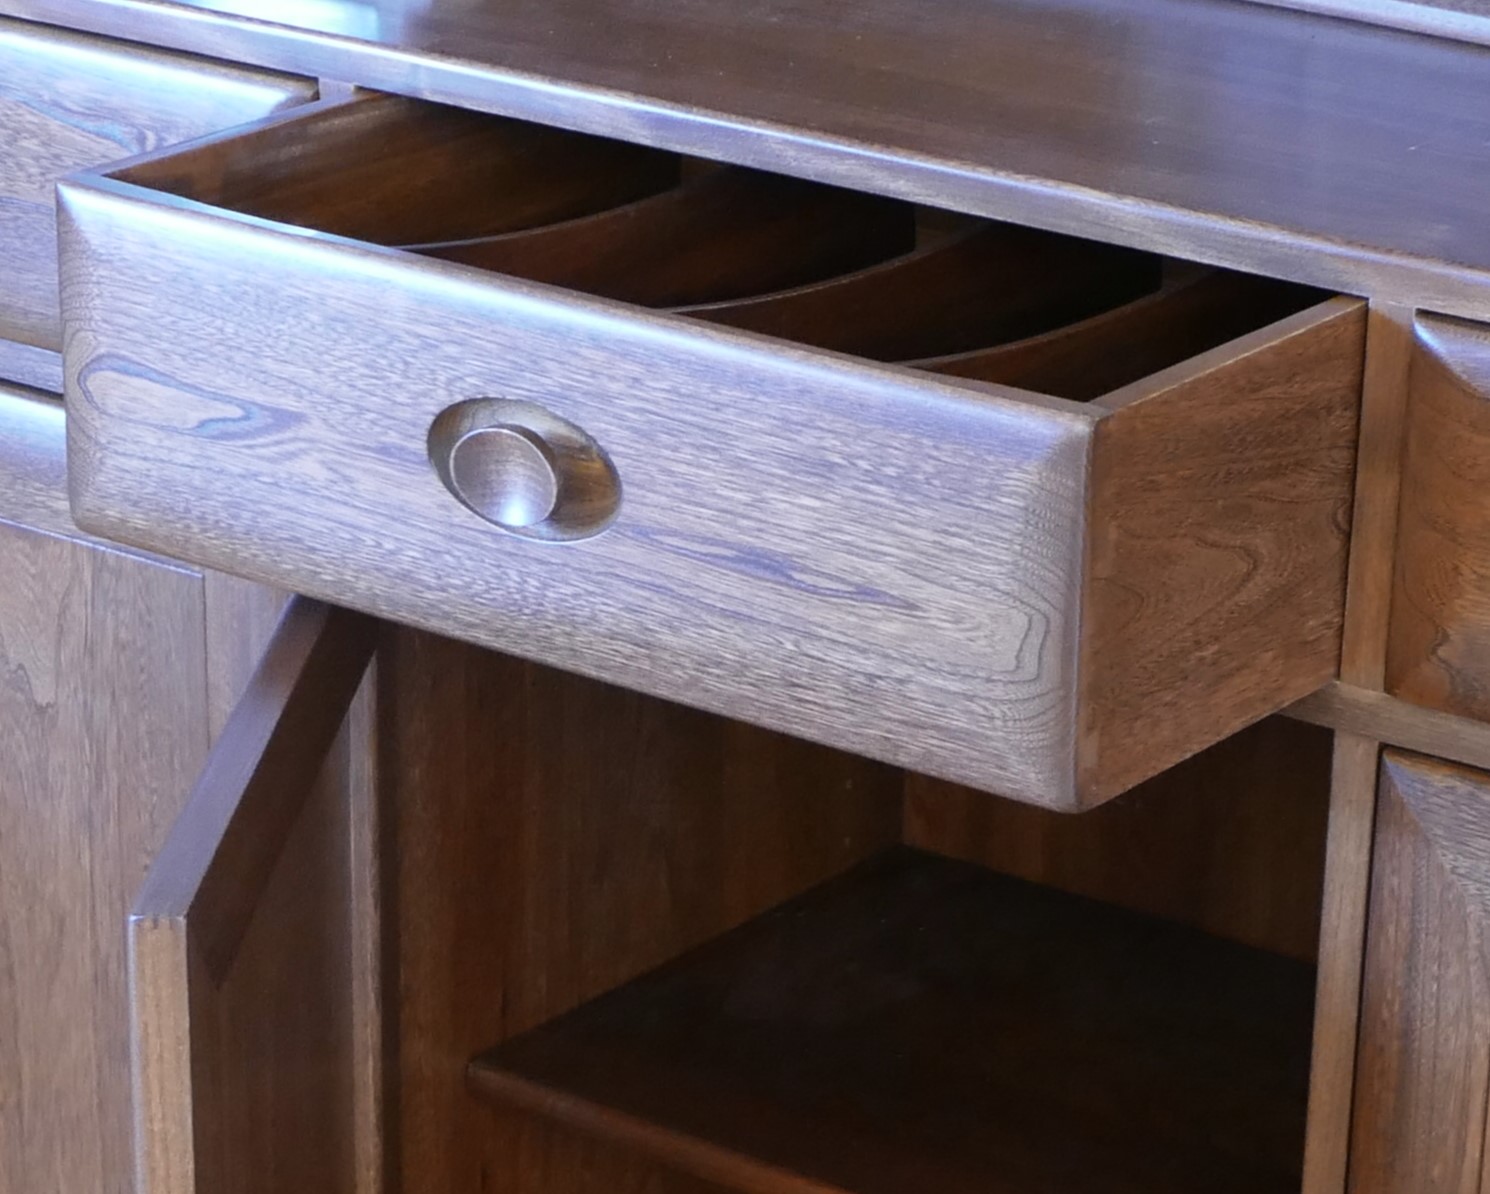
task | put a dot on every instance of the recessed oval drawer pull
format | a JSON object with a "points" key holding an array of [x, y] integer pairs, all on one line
{"points": [[524, 469]]}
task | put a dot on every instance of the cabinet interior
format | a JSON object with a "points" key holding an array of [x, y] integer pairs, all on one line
{"points": [[684, 954]]}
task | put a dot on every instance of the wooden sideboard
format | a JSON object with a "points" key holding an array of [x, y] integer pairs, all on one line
{"points": [[885, 601]]}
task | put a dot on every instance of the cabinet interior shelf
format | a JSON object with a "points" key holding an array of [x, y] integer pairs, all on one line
{"points": [[918, 1024]]}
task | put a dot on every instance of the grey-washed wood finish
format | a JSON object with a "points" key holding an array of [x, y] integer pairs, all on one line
{"points": [[869, 556], [68, 101]]}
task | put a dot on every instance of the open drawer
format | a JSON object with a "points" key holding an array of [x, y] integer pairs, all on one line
{"points": [[738, 440]]}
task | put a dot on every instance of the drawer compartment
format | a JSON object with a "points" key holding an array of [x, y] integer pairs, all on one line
{"points": [[1043, 597], [68, 101]]}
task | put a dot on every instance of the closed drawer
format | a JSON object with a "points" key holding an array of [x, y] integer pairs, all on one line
{"points": [[737, 498], [67, 102], [1439, 646]]}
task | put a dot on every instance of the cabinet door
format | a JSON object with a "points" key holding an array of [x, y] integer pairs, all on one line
{"points": [[203, 994], [103, 723], [1424, 1057]]}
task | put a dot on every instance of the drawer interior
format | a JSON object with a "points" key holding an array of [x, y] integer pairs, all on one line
{"points": [[821, 266], [693, 955]]}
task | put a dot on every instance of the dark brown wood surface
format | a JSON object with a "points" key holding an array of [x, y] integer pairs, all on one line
{"points": [[391, 172], [1231, 840], [1423, 1080], [1220, 514], [721, 234], [921, 1024], [1346, 156], [743, 522], [1192, 311], [199, 1013], [552, 837], [891, 563], [67, 102], [1439, 648], [973, 287]]}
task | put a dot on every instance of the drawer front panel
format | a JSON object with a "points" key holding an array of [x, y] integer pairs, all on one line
{"points": [[67, 102], [850, 552], [1439, 647]]}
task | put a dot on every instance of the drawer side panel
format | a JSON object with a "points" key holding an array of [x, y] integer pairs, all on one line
{"points": [[1220, 518]]}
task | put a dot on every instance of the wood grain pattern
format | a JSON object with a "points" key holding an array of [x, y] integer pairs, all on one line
{"points": [[1232, 840], [972, 287], [34, 368], [1220, 513], [103, 726], [911, 597], [1424, 1063], [68, 101], [320, 920], [554, 837], [922, 1024], [1353, 804], [194, 920], [1439, 650], [1190, 127], [1395, 722], [33, 464], [1378, 483], [721, 234], [1342, 936], [1194, 310]]}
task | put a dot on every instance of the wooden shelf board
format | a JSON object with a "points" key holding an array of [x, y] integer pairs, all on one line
{"points": [[921, 1024]]}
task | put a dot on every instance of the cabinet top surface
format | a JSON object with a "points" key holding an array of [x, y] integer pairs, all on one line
{"points": [[1345, 155]]}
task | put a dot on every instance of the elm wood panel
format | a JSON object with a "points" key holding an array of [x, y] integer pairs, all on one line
{"points": [[206, 978], [33, 466], [1220, 514], [971, 287], [1439, 649], [1395, 722], [1424, 1054], [922, 1024], [553, 837], [1378, 481], [102, 724], [947, 646], [67, 102], [1189, 127], [910, 599], [721, 234], [383, 169], [1231, 841], [320, 920], [29, 366], [1193, 311], [1342, 936], [1363, 646]]}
